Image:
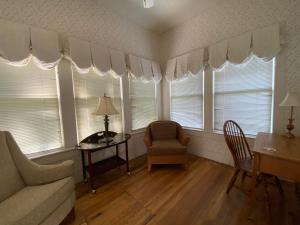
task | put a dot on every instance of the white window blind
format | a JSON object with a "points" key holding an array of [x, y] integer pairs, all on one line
{"points": [[143, 103], [88, 88], [29, 107], [244, 93], [187, 101]]}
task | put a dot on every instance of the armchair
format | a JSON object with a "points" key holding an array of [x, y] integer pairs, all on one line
{"points": [[166, 143], [32, 194]]}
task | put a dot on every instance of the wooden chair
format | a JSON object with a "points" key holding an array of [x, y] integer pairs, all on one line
{"points": [[242, 155]]}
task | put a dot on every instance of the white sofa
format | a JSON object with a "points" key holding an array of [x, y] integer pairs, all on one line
{"points": [[32, 194]]}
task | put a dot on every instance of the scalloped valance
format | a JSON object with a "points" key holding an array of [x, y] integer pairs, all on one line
{"points": [[264, 43], [18, 43], [144, 69]]}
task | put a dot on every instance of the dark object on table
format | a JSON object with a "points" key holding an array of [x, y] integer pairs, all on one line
{"points": [[94, 143]]}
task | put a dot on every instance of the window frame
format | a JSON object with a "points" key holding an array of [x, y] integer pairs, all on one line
{"points": [[216, 131]]}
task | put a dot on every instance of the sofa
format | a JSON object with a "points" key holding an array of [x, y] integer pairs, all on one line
{"points": [[32, 194], [166, 143]]}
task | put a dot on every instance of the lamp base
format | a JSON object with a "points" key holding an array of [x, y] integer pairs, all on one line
{"points": [[289, 135]]}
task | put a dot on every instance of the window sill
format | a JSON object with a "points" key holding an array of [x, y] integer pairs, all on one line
{"points": [[49, 152], [222, 133], [138, 131]]}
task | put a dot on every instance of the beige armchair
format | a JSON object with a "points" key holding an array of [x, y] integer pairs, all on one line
{"points": [[32, 194], [166, 143]]}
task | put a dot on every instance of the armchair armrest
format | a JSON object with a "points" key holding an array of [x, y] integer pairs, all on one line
{"points": [[147, 138], [183, 139]]}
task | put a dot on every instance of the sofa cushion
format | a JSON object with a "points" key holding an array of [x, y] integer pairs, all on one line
{"points": [[167, 147], [10, 179], [32, 204], [163, 130]]}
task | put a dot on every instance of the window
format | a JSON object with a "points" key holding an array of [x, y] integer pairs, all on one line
{"points": [[143, 103], [187, 101], [244, 93], [88, 88], [29, 107]]}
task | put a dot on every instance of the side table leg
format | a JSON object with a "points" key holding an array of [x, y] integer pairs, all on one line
{"points": [[91, 171], [127, 163], [83, 166]]}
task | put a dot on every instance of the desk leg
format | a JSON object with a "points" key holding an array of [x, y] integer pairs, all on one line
{"points": [[91, 171], [127, 163], [83, 166]]}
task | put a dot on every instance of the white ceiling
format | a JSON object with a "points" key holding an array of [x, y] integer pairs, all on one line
{"points": [[164, 15]]}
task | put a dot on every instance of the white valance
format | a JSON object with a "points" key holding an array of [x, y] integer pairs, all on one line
{"points": [[45, 48], [145, 69], [179, 67], [135, 66], [195, 61], [265, 44], [14, 42], [239, 48], [218, 54], [80, 54], [118, 63], [101, 58]]}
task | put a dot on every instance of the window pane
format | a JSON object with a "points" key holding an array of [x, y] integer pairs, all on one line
{"points": [[243, 93], [88, 88], [29, 107], [143, 103], [187, 101]]}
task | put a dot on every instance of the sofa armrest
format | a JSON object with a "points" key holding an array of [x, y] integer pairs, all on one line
{"points": [[183, 139], [147, 138]]}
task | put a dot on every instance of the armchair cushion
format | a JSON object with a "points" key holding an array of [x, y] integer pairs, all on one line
{"points": [[32, 204], [167, 147], [163, 130], [10, 179]]}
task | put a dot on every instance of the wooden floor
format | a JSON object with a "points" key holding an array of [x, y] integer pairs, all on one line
{"points": [[174, 195]]}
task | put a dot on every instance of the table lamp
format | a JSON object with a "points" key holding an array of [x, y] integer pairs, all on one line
{"points": [[290, 100], [105, 108]]}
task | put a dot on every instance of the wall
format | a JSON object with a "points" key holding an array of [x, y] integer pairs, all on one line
{"points": [[225, 19], [87, 20]]}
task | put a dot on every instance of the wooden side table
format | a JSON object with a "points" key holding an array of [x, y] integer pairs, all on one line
{"points": [[97, 142]]}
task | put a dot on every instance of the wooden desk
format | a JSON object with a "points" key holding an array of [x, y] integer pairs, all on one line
{"points": [[283, 163]]}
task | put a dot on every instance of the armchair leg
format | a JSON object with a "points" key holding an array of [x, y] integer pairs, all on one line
{"points": [[149, 167]]}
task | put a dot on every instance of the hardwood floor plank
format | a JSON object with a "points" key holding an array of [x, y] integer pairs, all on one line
{"points": [[173, 195]]}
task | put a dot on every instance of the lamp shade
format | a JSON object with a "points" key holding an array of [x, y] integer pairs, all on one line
{"points": [[290, 100], [105, 107]]}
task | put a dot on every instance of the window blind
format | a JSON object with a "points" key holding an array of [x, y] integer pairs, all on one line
{"points": [[187, 101], [143, 103], [88, 88], [244, 93], [29, 107]]}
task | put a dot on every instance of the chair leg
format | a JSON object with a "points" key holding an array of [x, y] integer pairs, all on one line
{"points": [[149, 167], [232, 181], [279, 186], [244, 176]]}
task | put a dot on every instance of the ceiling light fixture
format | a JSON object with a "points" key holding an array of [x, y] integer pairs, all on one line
{"points": [[148, 3]]}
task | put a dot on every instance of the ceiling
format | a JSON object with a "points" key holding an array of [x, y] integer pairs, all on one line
{"points": [[164, 15]]}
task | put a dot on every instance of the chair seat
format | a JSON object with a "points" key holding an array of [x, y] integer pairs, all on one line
{"points": [[167, 147], [32, 204], [246, 165]]}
